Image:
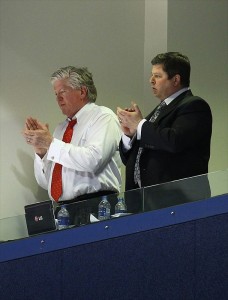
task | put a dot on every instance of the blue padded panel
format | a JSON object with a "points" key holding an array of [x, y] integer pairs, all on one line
{"points": [[148, 265], [31, 278], [188, 261], [212, 258]]}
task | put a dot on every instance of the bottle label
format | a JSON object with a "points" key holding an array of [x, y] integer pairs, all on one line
{"points": [[103, 211], [64, 221]]}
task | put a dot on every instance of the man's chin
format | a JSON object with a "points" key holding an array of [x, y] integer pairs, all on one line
{"points": [[64, 112]]}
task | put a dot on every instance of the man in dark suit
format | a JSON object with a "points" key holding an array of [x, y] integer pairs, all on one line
{"points": [[173, 141]]}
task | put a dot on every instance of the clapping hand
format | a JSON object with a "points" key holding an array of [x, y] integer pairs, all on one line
{"points": [[37, 134], [129, 119]]}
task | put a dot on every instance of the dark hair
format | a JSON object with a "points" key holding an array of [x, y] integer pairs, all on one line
{"points": [[174, 63]]}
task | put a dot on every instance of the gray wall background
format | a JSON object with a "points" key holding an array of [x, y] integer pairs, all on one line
{"points": [[116, 40]]}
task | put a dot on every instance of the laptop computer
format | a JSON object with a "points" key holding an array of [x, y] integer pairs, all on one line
{"points": [[40, 217]]}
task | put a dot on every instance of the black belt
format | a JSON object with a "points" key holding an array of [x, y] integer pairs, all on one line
{"points": [[88, 196]]}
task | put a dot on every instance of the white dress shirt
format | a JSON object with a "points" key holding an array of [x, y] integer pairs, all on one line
{"points": [[91, 162]]}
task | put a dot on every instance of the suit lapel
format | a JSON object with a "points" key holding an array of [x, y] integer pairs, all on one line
{"points": [[171, 106]]}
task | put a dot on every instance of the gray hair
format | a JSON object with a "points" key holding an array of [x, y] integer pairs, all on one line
{"points": [[77, 77]]}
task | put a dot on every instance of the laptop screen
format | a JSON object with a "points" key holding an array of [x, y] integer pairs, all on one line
{"points": [[40, 217]]}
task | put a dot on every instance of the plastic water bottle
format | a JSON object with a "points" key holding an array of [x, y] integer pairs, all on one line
{"points": [[63, 218], [120, 206], [104, 209]]}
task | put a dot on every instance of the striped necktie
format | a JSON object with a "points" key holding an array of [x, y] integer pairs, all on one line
{"points": [[56, 184], [137, 177]]}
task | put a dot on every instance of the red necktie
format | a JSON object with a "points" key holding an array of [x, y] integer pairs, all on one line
{"points": [[56, 184]]}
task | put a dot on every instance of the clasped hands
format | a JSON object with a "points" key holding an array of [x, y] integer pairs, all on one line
{"points": [[129, 119], [37, 134]]}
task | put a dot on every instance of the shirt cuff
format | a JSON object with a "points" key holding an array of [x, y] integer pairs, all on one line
{"points": [[139, 128], [54, 150], [40, 160], [126, 142]]}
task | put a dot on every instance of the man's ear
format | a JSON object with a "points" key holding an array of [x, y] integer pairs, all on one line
{"points": [[176, 80], [84, 92]]}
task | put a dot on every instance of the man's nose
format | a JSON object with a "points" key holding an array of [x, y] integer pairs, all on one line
{"points": [[152, 80]]}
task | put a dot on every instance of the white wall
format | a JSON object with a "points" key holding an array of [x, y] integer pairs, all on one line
{"points": [[156, 18], [39, 36]]}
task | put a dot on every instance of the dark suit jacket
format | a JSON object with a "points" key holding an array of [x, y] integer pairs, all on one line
{"points": [[176, 145]]}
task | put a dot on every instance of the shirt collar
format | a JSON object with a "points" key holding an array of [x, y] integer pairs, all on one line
{"points": [[175, 95], [81, 112]]}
